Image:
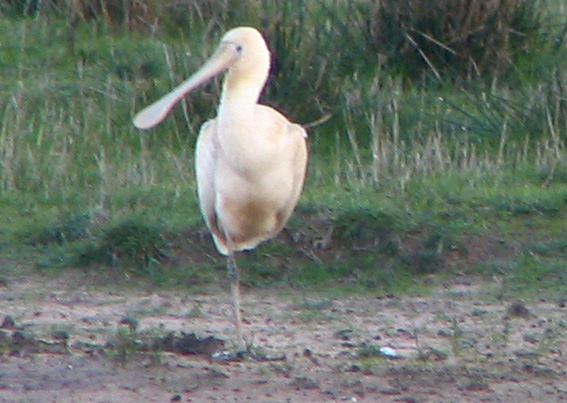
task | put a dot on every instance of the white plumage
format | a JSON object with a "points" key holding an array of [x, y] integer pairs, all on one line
{"points": [[250, 160]]}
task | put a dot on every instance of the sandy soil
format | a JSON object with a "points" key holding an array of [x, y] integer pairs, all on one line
{"points": [[60, 342]]}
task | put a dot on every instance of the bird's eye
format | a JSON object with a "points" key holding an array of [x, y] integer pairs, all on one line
{"points": [[239, 48]]}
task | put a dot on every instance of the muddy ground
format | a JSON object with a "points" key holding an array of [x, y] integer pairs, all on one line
{"points": [[65, 340]]}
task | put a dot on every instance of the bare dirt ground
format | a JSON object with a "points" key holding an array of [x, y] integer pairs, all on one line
{"points": [[64, 341]]}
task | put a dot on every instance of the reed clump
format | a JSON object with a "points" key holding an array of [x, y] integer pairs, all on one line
{"points": [[458, 38]]}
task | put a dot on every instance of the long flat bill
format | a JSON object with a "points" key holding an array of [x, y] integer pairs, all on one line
{"points": [[156, 112]]}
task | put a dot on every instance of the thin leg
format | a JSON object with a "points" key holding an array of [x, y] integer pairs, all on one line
{"points": [[234, 278]]}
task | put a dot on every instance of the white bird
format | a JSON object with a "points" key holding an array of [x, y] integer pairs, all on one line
{"points": [[250, 160]]}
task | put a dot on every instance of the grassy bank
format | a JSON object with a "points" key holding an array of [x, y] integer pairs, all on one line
{"points": [[422, 167]]}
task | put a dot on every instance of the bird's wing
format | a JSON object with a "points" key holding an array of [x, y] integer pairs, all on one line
{"points": [[206, 154], [298, 138]]}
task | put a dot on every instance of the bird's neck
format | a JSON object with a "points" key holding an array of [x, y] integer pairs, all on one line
{"points": [[241, 93]]}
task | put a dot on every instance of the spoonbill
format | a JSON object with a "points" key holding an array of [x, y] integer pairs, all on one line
{"points": [[250, 160]]}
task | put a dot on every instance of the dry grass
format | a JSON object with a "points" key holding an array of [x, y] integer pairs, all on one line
{"points": [[472, 38]]}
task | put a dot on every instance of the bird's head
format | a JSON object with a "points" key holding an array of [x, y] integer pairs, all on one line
{"points": [[242, 51]]}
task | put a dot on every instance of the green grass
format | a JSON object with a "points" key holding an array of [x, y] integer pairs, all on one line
{"points": [[410, 177]]}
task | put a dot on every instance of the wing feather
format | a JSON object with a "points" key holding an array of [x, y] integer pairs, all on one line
{"points": [[206, 157]]}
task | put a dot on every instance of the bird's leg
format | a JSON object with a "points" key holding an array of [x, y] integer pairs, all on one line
{"points": [[233, 276]]}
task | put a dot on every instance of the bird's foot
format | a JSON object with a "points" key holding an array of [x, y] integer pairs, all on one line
{"points": [[250, 354]]}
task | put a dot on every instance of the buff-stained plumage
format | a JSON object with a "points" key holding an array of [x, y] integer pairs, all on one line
{"points": [[250, 160]]}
